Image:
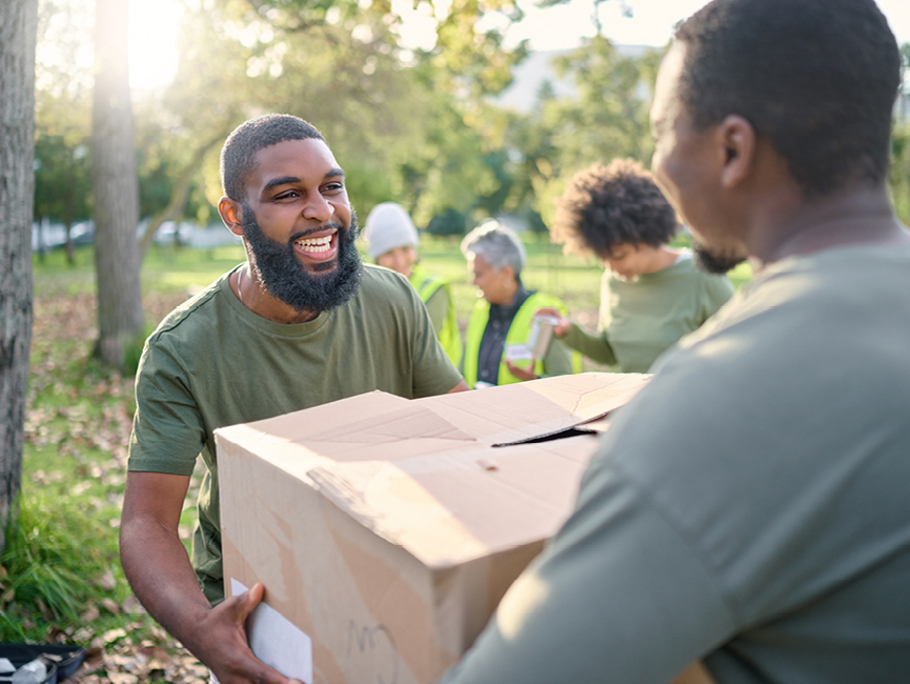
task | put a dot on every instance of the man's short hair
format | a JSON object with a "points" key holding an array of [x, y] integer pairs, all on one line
{"points": [[817, 78], [238, 156], [606, 206]]}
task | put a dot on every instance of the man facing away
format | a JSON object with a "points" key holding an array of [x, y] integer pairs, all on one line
{"points": [[302, 322], [749, 507]]}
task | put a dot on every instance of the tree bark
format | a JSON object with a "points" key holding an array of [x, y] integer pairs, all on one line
{"points": [[116, 187], [18, 34]]}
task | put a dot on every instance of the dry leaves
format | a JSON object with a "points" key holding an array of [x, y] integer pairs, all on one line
{"points": [[129, 664], [137, 653]]}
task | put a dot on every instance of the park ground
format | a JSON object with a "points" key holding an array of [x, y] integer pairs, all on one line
{"points": [[60, 577]]}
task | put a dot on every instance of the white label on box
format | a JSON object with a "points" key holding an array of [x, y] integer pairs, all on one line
{"points": [[276, 641]]}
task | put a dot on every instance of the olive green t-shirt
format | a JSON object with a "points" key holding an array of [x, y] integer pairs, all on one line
{"points": [[749, 507], [640, 319], [212, 362]]}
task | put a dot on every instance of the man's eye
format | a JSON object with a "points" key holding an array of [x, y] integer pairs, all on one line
{"points": [[287, 195]]}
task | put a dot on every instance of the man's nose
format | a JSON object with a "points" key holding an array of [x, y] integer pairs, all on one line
{"points": [[318, 208]]}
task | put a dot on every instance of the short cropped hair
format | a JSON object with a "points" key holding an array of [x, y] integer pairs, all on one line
{"points": [[606, 206], [498, 245], [238, 156], [817, 78]]}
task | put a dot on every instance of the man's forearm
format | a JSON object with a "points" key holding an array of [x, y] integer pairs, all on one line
{"points": [[159, 572]]}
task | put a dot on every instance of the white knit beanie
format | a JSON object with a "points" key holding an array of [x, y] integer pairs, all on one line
{"points": [[389, 226]]}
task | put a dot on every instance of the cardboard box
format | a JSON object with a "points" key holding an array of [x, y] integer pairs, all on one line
{"points": [[387, 530]]}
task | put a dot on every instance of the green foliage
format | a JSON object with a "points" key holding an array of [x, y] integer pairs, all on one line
{"points": [[609, 116], [51, 549], [63, 178], [900, 171], [605, 117], [449, 222]]}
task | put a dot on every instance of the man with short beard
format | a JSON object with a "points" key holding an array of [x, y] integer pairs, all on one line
{"points": [[749, 507], [301, 323]]}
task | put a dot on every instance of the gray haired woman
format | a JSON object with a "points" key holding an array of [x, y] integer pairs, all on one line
{"points": [[502, 323]]}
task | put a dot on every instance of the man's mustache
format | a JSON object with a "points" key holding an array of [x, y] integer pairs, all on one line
{"points": [[331, 225]]}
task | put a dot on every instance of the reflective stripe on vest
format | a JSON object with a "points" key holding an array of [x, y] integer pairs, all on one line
{"points": [[449, 335]]}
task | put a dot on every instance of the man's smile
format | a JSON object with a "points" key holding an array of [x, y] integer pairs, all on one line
{"points": [[319, 246]]}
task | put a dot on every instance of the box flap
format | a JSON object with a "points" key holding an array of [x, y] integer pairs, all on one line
{"points": [[511, 414], [447, 510]]}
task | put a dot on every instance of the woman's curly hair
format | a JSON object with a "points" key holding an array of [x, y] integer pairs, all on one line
{"points": [[605, 206]]}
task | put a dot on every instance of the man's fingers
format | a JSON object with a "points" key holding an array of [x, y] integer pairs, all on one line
{"points": [[248, 600]]}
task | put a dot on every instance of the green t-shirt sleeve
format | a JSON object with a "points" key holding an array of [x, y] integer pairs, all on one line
{"points": [[717, 290], [168, 432], [595, 347], [558, 359], [438, 308], [619, 596]]}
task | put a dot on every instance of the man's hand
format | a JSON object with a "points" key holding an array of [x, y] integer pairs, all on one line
{"points": [[159, 571], [230, 657], [561, 329], [521, 373]]}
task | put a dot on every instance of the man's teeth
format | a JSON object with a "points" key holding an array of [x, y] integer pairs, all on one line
{"points": [[315, 245]]}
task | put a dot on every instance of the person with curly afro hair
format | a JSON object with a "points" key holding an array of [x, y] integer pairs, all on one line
{"points": [[651, 293]]}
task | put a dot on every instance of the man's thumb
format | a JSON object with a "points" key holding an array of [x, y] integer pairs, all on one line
{"points": [[249, 600]]}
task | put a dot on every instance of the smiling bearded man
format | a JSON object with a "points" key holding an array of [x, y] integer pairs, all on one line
{"points": [[301, 323], [275, 265]]}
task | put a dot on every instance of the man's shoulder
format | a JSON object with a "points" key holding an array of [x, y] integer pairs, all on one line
{"points": [[193, 315], [686, 269], [383, 283]]}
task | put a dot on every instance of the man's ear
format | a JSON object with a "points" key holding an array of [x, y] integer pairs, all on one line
{"points": [[736, 137], [232, 215]]}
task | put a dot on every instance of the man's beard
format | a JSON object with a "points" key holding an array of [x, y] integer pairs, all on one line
{"points": [[715, 264], [280, 271]]}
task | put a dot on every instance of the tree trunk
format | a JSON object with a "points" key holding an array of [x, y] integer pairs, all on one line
{"points": [[18, 34], [116, 187]]}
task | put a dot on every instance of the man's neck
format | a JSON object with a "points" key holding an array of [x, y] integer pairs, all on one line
{"points": [[858, 216], [256, 298]]}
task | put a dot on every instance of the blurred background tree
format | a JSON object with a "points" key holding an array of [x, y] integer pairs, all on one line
{"points": [[423, 126], [63, 121], [115, 187], [420, 125]]}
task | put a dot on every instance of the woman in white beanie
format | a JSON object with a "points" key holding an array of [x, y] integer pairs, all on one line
{"points": [[392, 242]]}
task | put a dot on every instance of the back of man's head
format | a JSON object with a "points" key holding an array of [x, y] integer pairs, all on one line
{"points": [[238, 156], [817, 78]]}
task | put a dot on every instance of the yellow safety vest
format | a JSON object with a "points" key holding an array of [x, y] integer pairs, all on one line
{"points": [[519, 332], [449, 336]]}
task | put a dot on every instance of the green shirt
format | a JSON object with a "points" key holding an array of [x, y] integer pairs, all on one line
{"points": [[749, 507], [212, 362], [640, 319]]}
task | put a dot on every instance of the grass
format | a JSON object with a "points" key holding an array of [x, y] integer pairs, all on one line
{"points": [[60, 575]]}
